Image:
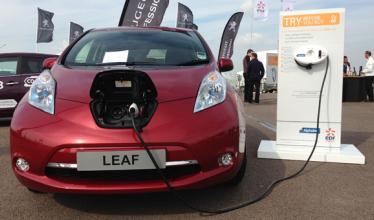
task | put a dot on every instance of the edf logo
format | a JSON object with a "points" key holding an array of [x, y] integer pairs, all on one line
{"points": [[330, 135]]}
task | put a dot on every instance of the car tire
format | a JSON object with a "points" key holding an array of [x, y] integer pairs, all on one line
{"points": [[241, 173], [35, 191]]}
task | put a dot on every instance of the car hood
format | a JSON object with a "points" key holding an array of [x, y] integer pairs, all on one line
{"points": [[172, 83]]}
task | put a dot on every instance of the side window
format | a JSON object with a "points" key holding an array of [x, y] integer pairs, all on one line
{"points": [[83, 54], [199, 48], [31, 65], [8, 66]]}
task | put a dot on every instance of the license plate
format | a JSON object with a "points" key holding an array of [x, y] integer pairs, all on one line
{"points": [[119, 160], [123, 84]]}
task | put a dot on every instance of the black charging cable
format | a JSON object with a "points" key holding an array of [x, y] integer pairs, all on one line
{"points": [[250, 202]]}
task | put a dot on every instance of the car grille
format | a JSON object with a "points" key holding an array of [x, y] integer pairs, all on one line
{"points": [[135, 176]]}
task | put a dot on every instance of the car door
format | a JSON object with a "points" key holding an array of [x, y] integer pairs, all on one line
{"points": [[9, 85]]}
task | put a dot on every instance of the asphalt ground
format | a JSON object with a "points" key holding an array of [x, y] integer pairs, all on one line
{"points": [[323, 191]]}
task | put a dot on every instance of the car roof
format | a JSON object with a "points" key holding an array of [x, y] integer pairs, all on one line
{"points": [[27, 54], [124, 28]]}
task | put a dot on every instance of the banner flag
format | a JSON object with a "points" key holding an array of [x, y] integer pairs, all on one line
{"points": [[260, 10], [185, 17], [143, 13], [75, 31], [229, 35], [45, 26]]}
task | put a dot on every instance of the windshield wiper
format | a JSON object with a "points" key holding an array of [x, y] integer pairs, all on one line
{"points": [[193, 63]]}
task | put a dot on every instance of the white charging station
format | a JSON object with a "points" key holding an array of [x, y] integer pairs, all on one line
{"points": [[307, 39]]}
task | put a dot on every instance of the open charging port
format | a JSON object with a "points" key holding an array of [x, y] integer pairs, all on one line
{"points": [[114, 92]]}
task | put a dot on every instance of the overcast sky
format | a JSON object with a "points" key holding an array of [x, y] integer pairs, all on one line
{"points": [[18, 22]]}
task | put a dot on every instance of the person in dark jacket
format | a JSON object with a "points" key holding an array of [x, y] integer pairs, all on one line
{"points": [[246, 60], [346, 66], [255, 72]]}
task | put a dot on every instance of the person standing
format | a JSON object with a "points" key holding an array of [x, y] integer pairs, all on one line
{"points": [[346, 66], [246, 60], [368, 73], [255, 73]]}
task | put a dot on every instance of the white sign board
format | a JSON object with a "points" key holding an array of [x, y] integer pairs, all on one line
{"points": [[299, 88]]}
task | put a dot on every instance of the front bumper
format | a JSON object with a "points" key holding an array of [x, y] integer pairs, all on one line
{"points": [[47, 141]]}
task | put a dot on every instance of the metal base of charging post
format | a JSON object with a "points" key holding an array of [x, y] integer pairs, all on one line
{"points": [[347, 153]]}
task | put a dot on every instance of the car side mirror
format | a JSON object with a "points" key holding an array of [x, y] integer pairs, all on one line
{"points": [[49, 62], [225, 65]]}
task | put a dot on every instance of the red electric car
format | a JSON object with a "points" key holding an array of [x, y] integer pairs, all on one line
{"points": [[72, 133]]}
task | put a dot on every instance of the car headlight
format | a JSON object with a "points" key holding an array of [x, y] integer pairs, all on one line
{"points": [[42, 92], [212, 92]]}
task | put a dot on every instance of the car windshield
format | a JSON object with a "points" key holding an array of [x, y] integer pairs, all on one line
{"points": [[138, 47]]}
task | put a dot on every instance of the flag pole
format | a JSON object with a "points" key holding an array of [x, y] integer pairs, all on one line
{"points": [[37, 25], [281, 8], [252, 21], [176, 25]]}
